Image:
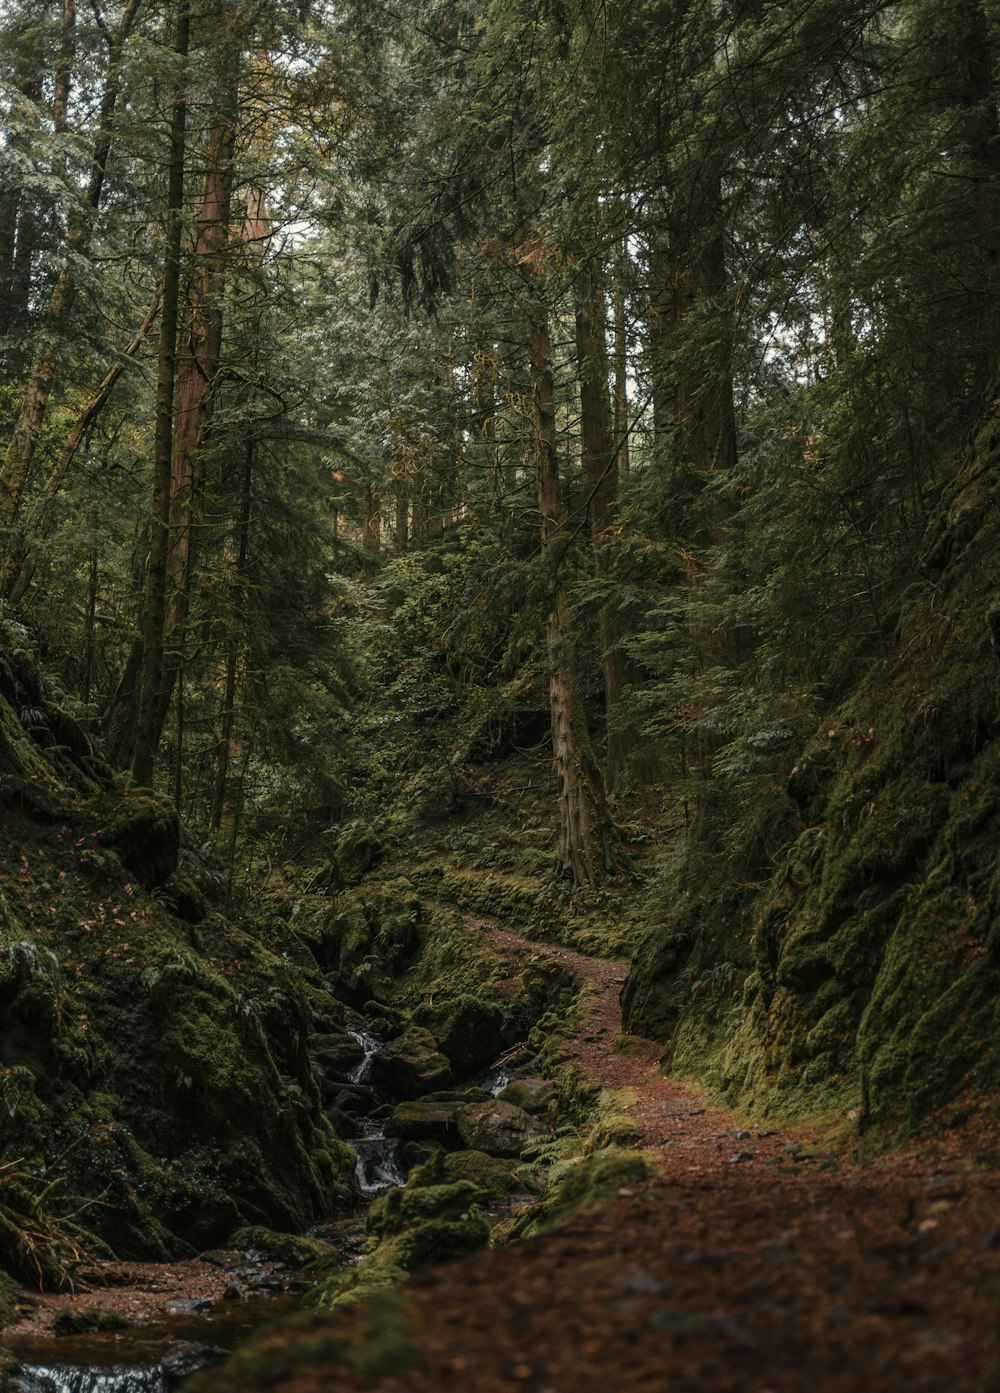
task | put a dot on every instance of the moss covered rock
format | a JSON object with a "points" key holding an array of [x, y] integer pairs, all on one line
{"points": [[427, 1120], [411, 1065], [530, 1095], [498, 1128]]}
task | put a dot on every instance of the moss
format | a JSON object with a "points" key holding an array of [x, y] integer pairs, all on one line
{"points": [[401, 1209], [143, 829], [492, 1176], [87, 1320], [293, 1249], [580, 1186], [395, 1258], [862, 964]]}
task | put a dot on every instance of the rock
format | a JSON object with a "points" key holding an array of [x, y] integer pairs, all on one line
{"points": [[493, 1177], [498, 1128], [289, 1248], [74, 1321], [143, 828], [426, 1119], [337, 1054], [199, 1305], [398, 1210], [184, 1357], [468, 1030], [530, 1095], [411, 1065]]}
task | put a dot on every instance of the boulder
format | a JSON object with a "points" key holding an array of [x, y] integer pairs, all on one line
{"points": [[337, 1054], [468, 1030], [498, 1128], [411, 1065], [426, 1119], [530, 1095]]}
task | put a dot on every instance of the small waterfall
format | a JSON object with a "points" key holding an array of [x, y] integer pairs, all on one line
{"points": [[44, 1378], [495, 1080], [371, 1046], [379, 1166]]}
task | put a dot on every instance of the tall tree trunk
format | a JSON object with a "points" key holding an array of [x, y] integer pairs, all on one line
{"points": [[601, 474], [586, 834], [155, 598], [197, 371], [622, 424], [232, 657], [371, 527]]}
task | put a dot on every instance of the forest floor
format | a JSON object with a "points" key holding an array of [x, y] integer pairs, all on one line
{"points": [[753, 1260]]}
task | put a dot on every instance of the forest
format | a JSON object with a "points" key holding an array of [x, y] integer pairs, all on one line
{"points": [[499, 695]]}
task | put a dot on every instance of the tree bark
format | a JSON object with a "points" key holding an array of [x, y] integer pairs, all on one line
{"points": [[197, 372], [586, 833], [232, 657], [155, 598], [601, 475]]}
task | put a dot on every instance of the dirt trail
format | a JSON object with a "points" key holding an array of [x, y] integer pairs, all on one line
{"points": [[763, 1274], [681, 1133]]}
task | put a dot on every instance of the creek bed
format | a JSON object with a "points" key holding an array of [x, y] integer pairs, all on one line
{"points": [[131, 1361]]}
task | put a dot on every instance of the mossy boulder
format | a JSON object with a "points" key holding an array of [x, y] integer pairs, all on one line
{"points": [[411, 1065], [337, 1054], [411, 1228], [401, 1209], [143, 829], [497, 1128], [468, 1029], [582, 1185], [530, 1095], [427, 1120], [293, 1249], [494, 1177]]}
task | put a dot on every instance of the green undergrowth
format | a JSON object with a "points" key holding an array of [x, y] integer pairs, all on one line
{"points": [[859, 973], [155, 1087]]}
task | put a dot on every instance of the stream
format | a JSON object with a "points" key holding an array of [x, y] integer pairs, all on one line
{"points": [[156, 1356]]}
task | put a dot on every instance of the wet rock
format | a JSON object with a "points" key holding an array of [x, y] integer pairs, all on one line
{"points": [[182, 1358], [530, 1095], [198, 1305], [292, 1249], [337, 1054], [426, 1120], [411, 1065], [498, 1128]]}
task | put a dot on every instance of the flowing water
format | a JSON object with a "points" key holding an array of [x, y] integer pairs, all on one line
{"points": [[43, 1378], [142, 1359], [380, 1165], [361, 1072]]}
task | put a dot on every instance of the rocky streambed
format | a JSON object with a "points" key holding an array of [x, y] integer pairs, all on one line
{"points": [[435, 1171]]}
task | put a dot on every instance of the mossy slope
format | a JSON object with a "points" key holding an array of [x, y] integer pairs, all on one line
{"points": [[153, 1069], [864, 972]]}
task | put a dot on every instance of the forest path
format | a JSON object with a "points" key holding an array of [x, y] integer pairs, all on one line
{"points": [[787, 1271], [681, 1132]]}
